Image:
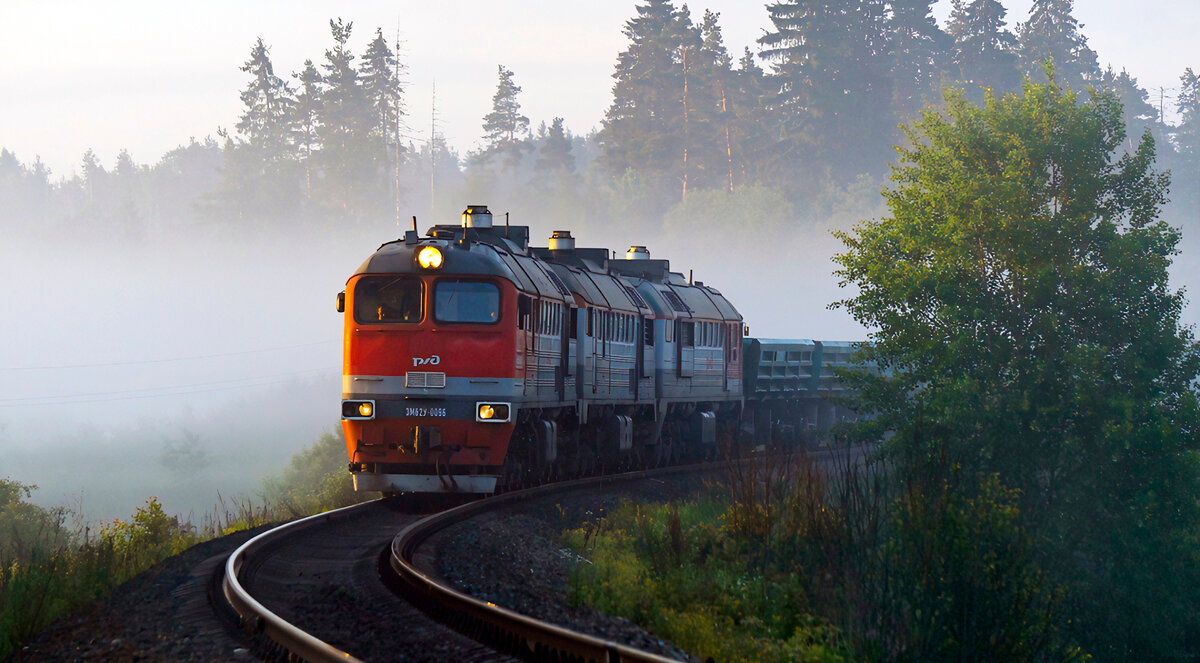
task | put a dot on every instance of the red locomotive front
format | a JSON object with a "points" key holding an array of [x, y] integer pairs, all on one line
{"points": [[475, 362], [430, 369]]}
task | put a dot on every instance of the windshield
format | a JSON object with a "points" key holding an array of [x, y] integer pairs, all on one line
{"points": [[466, 301], [388, 299]]}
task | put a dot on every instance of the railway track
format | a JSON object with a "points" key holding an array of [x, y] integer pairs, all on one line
{"points": [[390, 602], [311, 590]]}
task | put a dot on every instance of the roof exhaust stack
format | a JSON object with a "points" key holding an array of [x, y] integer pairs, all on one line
{"points": [[476, 216], [637, 253], [561, 240]]}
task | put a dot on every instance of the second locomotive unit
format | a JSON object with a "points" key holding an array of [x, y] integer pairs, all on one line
{"points": [[475, 362]]}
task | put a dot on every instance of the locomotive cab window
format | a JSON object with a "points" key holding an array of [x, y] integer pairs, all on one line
{"points": [[388, 299], [466, 301]]}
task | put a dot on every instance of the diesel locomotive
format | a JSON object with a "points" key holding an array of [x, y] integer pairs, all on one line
{"points": [[475, 362]]}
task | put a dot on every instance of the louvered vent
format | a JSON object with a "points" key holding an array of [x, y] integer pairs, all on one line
{"points": [[558, 282], [675, 302], [635, 296], [422, 380]]}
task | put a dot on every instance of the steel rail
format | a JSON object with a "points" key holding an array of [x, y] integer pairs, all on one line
{"points": [[507, 631], [260, 621], [504, 630]]}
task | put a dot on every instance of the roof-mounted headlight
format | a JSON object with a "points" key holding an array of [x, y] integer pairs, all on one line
{"points": [[429, 257]]}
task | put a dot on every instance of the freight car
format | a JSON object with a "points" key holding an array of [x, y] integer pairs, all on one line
{"points": [[475, 362]]}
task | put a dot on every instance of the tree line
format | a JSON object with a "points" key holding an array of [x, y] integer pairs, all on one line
{"points": [[815, 109]]}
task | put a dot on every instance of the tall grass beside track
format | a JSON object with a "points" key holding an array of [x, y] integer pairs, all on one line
{"points": [[788, 562], [51, 561]]}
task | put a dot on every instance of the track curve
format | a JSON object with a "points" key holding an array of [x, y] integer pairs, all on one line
{"points": [[507, 631], [343, 560], [311, 590]]}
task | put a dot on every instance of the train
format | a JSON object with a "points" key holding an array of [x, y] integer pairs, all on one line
{"points": [[474, 362]]}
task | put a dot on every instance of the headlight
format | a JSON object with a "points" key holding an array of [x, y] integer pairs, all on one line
{"points": [[429, 257], [358, 409], [493, 413]]}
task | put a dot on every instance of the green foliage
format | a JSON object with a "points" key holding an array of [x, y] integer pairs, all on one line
{"points": [[48, 569], [315, 480], [788, 561], [675, 570], [965, 580], [1026, 328]]}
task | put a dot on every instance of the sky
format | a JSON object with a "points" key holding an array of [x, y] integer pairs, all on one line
{"points": [[147, 75]]}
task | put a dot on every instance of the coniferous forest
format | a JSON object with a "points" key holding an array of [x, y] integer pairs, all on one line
{"points": [[800, 126]]}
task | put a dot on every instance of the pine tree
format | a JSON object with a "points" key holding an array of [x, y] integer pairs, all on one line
{"points": [[127, 218], [350, 160], [1140, 116], [306, 113], [984, 49], [1187, 135], [92, 175], [835, 97], [719, 137], [698, 106], [380, 75], [640, 136], [264, 123], [755, 123], [918, 52], [258, 170], [505, 128], [554, 150], [1051, 32]]}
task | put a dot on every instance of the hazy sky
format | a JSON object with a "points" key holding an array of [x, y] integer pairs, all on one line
{"points": [[147, 75]]}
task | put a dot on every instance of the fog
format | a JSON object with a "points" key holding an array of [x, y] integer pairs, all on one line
{"points": [[176, 369], [191, 368]]}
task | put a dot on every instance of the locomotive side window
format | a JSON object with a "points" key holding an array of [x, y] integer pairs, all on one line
{"points": [[388, 299], [523, 307], [687, 334], [466, 301]]}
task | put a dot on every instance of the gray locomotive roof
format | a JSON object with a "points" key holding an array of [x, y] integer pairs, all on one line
{"points": [[588, 273], [785, 342], [472, 259]]}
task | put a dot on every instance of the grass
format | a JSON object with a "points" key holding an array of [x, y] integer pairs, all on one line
{"points": [[786, 562], [51, 561]]}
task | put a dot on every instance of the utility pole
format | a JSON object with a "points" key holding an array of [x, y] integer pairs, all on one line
{"points": [[432, 145], [399, 111]]}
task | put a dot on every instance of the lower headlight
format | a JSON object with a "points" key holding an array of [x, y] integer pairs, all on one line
{"points": [[493, 413], [358, 409]]}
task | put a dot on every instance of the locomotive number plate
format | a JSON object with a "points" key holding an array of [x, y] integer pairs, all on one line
{"points": [[411, 411]]}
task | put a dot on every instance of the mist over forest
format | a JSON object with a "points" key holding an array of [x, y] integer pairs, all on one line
{"points": [[170, 325]]}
